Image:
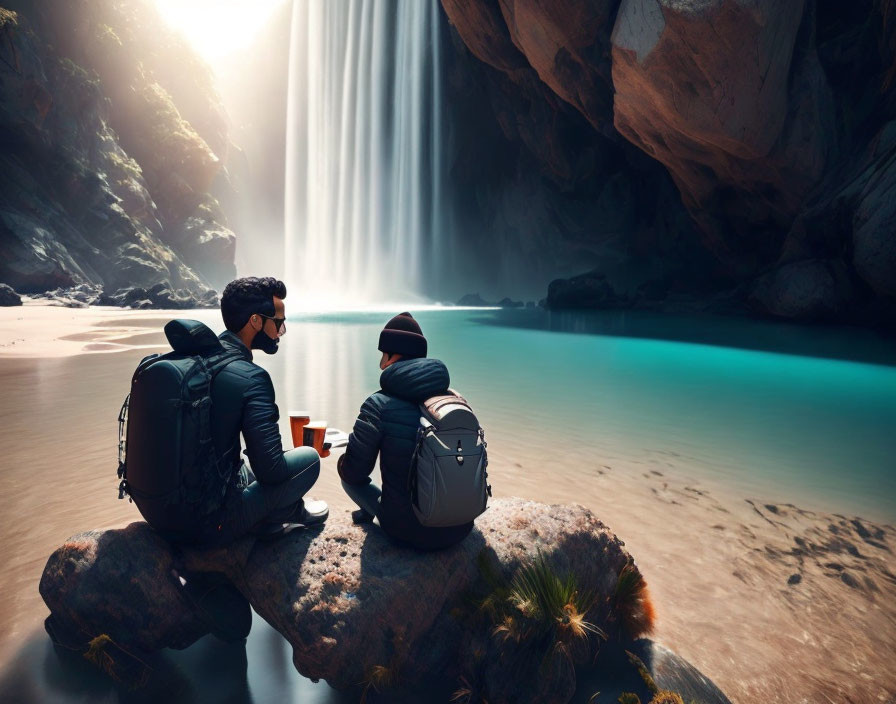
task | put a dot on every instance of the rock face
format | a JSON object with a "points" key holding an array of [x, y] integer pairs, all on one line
{"points": [[351, 603], [8, 297], [104, 175], [473, 300], [810, 289], [744, 123], [771, 119]]}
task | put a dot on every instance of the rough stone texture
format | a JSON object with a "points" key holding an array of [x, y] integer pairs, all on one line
{"points": [[616, 675], [850, 223], [874, 216], [565, 42], [119, 583], [770, 118], [76, 206], [161, 295], [553, 196], [591, 290], [346, 598], [8, 297], [732, 99], [473, 299], [812, 289]]}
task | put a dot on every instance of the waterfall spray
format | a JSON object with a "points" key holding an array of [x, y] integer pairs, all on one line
{"points": [[363, 174]]}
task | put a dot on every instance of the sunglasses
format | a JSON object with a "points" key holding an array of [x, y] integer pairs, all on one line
{"points": [[279, 323]]}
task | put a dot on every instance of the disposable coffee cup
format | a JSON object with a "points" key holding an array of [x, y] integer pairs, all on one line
{"points": [[297, 421], [313, 436]]}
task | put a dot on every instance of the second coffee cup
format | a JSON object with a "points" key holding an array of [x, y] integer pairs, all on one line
{"points": [[313, 436]]}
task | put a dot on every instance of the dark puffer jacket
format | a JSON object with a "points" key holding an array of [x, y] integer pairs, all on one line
{"points": [[387, 424], [242, 403]]}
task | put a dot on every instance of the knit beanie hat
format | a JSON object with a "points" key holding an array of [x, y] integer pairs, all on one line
{"points": [[402, 335]]}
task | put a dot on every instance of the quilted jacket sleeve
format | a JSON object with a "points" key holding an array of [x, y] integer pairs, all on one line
{"points": [[261, 432], [359, 459]]}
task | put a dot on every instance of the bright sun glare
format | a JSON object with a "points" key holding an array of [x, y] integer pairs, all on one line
{"points": [[216, 28]]}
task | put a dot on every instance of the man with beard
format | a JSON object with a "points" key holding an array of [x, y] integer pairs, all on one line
{"points": [[266, 498], [182, 465]]}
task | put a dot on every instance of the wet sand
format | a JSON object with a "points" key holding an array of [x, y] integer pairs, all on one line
{"points": [[774, 603]]}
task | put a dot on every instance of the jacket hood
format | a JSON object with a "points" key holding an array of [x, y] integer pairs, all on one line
{"points": [[191, 337], [415, 379]]}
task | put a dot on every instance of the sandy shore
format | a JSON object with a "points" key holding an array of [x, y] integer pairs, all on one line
{"points": [[775, 603], [37, 329]]}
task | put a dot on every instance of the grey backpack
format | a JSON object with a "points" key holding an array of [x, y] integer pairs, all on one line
{"points": [[448, 479]]}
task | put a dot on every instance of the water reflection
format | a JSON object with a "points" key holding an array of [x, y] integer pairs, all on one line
{"points": [[764, 407], [259, 671], [833, 342]]}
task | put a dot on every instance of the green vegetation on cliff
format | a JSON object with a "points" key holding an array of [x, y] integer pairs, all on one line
{"points": [[113, 138]]}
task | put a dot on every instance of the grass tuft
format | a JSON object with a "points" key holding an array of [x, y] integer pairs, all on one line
{"points": [[631, 603], [379, 677], [128, 669], [550, 603]]}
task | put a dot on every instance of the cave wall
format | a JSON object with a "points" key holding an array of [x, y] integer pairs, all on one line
{"points": [[541, 190], [113, 140], [769, 124]]}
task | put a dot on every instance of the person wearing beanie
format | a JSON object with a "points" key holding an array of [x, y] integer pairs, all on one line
{"points": [[402, 335], [387, 427]]}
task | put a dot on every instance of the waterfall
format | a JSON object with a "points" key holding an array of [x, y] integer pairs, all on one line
{"points": [[363, 175]]}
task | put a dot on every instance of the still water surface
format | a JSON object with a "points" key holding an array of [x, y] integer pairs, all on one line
{"points": [[806, 413]]}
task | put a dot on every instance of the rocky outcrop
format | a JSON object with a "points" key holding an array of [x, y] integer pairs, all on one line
{"points": [[770, 119], [555, 195], [355, 606], [159, 296], [103, 181], [8, 296], [590, 290], [732, 99], [565, 44], [473, 300]]}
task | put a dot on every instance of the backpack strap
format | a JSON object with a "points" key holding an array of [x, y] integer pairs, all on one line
{"points": [[122, 467], [422, 432], [211, 366]]}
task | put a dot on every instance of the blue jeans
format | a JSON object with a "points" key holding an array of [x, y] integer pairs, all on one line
{"points": [[367, 496], [272, 503]]}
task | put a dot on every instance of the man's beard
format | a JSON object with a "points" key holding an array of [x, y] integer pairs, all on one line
{"points": [[262, 341]]}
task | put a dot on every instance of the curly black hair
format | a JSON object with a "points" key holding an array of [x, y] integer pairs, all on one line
{"points": [[251, 294]]}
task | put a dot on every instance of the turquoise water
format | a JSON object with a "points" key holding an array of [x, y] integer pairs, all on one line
{"points": [[788, 414], [805, 415]]}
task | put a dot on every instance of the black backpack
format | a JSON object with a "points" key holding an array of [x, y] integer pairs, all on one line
{"points": [[167, 463]]}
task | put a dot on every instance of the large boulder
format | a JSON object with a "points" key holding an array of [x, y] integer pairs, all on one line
{"points": [[356, 607], [566, 43], [8, 296], [730, 96], [808, 290]]}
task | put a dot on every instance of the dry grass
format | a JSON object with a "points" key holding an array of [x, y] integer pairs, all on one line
{"points": [[379, 678], [631, 604]]}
